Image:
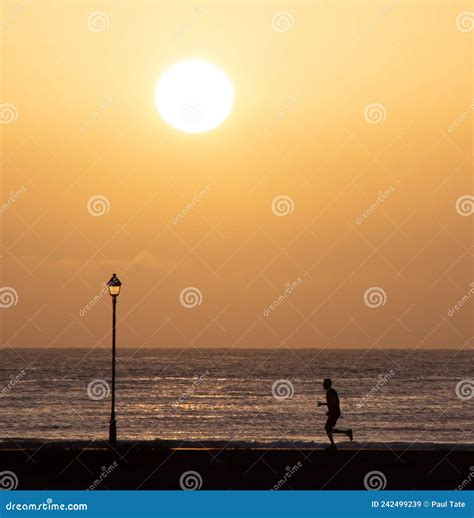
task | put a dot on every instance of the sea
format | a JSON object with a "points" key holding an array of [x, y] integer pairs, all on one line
{"points": [[238, 396]]}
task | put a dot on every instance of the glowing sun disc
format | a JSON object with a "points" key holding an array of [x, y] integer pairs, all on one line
{"points": [[194, 96]]}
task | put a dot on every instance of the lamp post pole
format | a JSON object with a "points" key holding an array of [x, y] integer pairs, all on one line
{"points": [[113, 422], [114, 289]]}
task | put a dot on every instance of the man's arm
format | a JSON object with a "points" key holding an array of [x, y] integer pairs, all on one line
{"points": [[320, 403]]}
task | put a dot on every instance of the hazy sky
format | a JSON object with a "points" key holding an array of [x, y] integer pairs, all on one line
{"points": [[377, 199]]}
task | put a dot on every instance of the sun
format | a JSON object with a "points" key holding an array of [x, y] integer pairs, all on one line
{"points": [[194, 96]]}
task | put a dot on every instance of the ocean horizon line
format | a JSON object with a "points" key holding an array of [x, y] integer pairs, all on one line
{"points": [[227, 348]]}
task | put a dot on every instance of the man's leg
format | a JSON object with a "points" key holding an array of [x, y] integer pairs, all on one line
{"points": [[329, 431], [344, 432]]}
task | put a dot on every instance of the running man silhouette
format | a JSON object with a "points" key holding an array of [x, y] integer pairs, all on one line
{"points": [[333, 413]]}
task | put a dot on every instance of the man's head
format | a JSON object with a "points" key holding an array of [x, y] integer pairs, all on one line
{"points": [[327, 383]]}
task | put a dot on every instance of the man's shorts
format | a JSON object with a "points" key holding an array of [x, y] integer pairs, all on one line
{"points": [[331, 422]]}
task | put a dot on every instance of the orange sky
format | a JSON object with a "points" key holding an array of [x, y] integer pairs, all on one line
{"points": [[86, 126]]}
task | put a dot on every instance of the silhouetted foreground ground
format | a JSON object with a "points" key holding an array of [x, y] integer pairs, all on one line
{"points": [[151, 466]]}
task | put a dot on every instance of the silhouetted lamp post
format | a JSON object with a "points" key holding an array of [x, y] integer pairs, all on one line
{"points": [[114, 289]]}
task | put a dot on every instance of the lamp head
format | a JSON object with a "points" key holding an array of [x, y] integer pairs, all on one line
{"points": [[114, 285]]}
